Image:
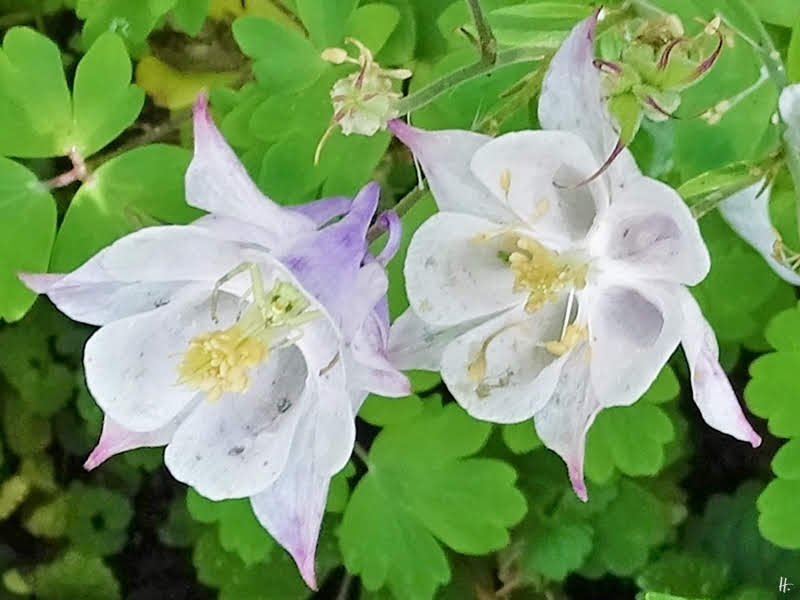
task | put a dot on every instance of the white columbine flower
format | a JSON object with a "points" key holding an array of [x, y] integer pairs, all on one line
{"points": [[539, 298], [244, 342], [747, 211]]}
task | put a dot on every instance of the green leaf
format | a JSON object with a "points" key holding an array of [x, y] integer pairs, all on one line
{"points": [[139, 188], [420, 488], [74, 575], [27, 230], [728, 530], [284, 60], [778, 12], [786, 462], [25, 432], [779, 520], [325, 20], [704, 192], [133, 21], [98, 519], [555, 549], [35, 106], [189, 15], [225, 571], [105, 101], [630, 439], [690, 575], [180, 530], [339, 489], [380, 411], [520, 437], [373, 24], [793, 54], [629, 528], [239, 530], [739, 286]]}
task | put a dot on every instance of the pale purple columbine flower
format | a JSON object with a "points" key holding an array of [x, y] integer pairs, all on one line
{"points": [[244, 342], [538, 298], [747, 211]]}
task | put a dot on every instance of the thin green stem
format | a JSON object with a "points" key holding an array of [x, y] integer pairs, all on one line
{"points": [[433, 90], [17, 18], [486, 39]]}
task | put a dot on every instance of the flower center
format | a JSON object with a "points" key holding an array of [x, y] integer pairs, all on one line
{"points": [[220, 361], [543, 273]]}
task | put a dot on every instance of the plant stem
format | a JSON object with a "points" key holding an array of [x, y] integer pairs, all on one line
{"points": [[489, 60], [361, 453], [486, 39], [344, 591], [433, 90]]}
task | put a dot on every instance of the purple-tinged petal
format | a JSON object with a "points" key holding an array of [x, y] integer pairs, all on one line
{"points": [[711, 389], [572, 99], [747, 212], [391, 223], [445, 157], [323, 210], [373, 372], [291, 510], [115, 439], [328, 262], [564, 421], [216, 181]]}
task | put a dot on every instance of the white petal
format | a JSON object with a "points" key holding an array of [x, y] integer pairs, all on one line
{"points": [[445, 158], [519, 375], [711, 389], [564, 421], [231, 229], [747, 213], [413, 344], [633, 330], [789, 106], [650, 233], [237, 446], [572, 99], [371, 369], [520, 168], [291, 509], [216, 181], [132, 364], [115, 439], [132, 275], [453, 275]]}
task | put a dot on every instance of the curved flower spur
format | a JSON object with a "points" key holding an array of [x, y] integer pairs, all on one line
{"points": [[245, 342], [536, 297]]}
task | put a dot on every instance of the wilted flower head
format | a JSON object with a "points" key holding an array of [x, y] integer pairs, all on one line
{"points": [[364, 101], [540, 299], [244, 342]]}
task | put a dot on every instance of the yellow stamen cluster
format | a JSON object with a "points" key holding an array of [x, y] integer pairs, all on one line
{"points": [[573, 335], [542, 274], [219, 361]]}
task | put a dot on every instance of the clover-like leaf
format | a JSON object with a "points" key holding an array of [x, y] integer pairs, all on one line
{"points": [[239, 530], [75, 575], [136, 189], [35, 105], [685, 574], [98, 519], [421, 489], [27, 231], [105, 102]]}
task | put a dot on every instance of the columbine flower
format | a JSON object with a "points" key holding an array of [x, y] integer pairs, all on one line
{"points": [[537, 298], [244, 342], [364, 101]]}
